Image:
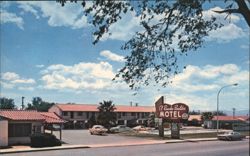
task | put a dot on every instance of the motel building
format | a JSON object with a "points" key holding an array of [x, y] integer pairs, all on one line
{"points": [[78, 115], [16, 126]]}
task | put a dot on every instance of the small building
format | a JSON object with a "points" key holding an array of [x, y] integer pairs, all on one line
{"points": [[229, 122], [194, 120], [78, 115], [16, 126]]}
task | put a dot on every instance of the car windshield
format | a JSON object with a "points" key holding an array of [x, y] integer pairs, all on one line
{"points": [[99, 126]]}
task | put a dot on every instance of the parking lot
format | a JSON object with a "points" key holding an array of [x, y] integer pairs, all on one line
{"points": [[75, 137]]}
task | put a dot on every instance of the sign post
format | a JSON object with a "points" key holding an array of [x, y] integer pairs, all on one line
{"points": [[175, 113]]}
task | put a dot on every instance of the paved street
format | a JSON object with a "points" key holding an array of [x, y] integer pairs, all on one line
{"points": [[76, 137], [209, 148]]}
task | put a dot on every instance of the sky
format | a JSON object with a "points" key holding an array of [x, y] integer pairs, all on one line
{"points": [[46, 50]]}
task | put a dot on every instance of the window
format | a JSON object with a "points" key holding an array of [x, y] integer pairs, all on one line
{"points": [[87, 114], [133, 114], [79, 113], [119, 115], [36, 129], [123, 113], [142, 115], [19, 129], [65, 113], [93, 113]]}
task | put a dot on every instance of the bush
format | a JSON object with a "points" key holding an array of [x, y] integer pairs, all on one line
{"points": [[44, 140]]}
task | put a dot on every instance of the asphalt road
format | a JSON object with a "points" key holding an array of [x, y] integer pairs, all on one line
{"points": [[81, 137], [209, 148]]}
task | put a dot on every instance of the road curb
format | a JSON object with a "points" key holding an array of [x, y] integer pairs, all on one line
{"points": [[42, 149], [6, 151]]}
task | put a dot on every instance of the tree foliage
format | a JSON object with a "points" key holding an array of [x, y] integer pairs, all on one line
{"points": [[6, 103], [39, 105], [206, 116], [106, 116], [151, 119], [170, 29]]}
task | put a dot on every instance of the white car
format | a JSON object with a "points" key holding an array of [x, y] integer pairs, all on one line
{"points": [[98, 130], [230, 136], [120, 128], [142, 128]]}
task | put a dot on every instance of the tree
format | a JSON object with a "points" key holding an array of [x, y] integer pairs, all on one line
{"points": [[206, 116], [151, 120], [39, 105], [221, 113], [91, 121], [194, 112], [107, 116], [6, 103], [170, 29]]}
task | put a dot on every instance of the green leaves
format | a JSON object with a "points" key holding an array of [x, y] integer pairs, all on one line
{"points": [[106, 116], [170, 29]]}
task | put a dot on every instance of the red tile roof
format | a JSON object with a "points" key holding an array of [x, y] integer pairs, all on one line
{"points": [[22, 115], [231, 118], [51, 117], [31, 115], [93, 108], [194, 117]]}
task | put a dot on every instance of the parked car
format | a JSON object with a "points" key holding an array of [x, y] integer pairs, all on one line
{"points": [[230, 136], [98, 130], [120, 128], [141, 128]]}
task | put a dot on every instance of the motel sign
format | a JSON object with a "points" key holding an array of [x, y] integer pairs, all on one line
{"points": [[175, 112]]}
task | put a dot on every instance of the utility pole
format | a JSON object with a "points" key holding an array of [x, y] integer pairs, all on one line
{"points": [[234, 113], [22, 103]]}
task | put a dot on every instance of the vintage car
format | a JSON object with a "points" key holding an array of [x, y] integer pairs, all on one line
{"points": [[119, 128], [141, 128], [98, 130], [230, 136]]}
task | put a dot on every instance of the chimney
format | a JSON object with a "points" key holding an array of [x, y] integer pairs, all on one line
{"points": [[131, 104], [136, 104]]}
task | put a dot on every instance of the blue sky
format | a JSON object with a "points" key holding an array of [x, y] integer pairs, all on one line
{"points": [[47, 51]]}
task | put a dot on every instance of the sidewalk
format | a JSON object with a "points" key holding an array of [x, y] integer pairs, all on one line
{"points": [[19, 149]]}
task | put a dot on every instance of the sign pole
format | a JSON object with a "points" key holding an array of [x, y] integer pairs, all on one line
{"points": [[175, 113], [160, 126]]}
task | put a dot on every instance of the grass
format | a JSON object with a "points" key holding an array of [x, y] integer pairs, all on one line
{"points": [[182, 136]]}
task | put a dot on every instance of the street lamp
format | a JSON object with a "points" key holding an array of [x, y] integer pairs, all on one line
{"points": [[218, 104]]}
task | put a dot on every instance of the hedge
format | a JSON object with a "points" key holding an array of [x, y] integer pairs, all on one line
{"points": [[44, 140]]}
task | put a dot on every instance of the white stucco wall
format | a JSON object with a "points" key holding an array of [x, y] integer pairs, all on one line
{"points": [[56, 110], [3, 133], [23, 140]]}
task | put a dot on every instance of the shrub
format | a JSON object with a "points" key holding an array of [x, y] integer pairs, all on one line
{"points": [[44, 140]]}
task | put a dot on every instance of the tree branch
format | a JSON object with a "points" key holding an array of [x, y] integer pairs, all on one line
{"points": [[229, 11]]}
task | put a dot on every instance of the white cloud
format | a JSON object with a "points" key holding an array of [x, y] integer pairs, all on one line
{"points": [[208, 77], [112, 56], [244, 46], [9, 76], [26, 88], [230, 31], [29, 8], [6, 85], [227, 33], [79, 76], [70, 15], [7, 17], [125, 28], [13, 78], [24, 81], [40, 66]]}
